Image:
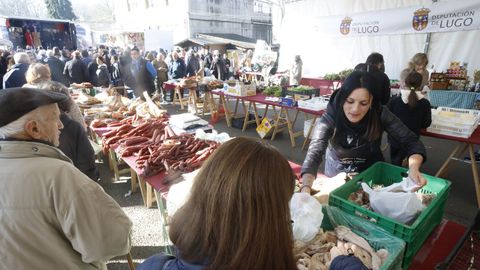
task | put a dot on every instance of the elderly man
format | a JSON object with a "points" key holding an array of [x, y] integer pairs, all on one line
{"points": [[75, 70], [56, 68], [15, 77], [51, 215], [177, 69]]}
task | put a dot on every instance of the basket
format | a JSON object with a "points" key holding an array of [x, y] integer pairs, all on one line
{"points": [[466, 254], [375, 236], [383, 173]]}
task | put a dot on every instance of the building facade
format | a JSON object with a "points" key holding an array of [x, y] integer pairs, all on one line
{"points": [[186, 18]]}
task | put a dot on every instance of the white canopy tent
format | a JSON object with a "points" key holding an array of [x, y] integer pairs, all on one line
{"points": [[323, 54]]}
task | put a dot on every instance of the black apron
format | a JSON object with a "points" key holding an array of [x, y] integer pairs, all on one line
{"points": [[351, 160]]}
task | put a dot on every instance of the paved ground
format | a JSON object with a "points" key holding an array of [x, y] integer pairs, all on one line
{"points": [[147, 237]]}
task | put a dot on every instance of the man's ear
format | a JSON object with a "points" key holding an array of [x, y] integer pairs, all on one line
{"points": [[32, 129]]}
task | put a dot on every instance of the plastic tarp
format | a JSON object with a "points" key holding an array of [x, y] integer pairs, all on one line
{"points": [[321, 54]]}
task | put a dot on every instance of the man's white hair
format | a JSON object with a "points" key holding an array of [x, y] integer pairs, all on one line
{"points": [[21, 57], [50, 53], [18, 126]]}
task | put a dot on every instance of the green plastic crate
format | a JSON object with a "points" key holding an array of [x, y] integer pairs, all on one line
{"points": [[375, 236], [414, 234]]}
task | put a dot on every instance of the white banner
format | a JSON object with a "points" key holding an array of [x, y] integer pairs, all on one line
{"points": [[437, 17]]}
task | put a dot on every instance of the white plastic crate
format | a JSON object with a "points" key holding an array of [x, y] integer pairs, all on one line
{"points": [[454, 122], [314, 104], [453, 117]]}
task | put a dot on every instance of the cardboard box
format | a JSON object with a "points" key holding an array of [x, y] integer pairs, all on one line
{"points": [[265, 129], [241, 89]]}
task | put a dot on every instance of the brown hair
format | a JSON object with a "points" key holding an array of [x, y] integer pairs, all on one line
{"points": [[37, 73], [418, 59], [413, 81], [237, 216]]}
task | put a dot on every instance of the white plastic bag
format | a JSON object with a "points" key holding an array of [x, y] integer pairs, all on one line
{"points": [[307, 216], [396, 201]]}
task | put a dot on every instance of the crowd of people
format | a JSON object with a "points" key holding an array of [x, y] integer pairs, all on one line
{"points": [[136, 70], [241, 193]]}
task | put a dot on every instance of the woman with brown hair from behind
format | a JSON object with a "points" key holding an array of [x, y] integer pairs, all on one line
{"points": [[237, 216], [413, 110]]}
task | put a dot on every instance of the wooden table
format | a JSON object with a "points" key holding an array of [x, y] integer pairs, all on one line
{"points": [[463, 144], [228, 113]]}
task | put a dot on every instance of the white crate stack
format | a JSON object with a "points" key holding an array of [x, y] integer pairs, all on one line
{"points": [[314, 104], [454, 122]]}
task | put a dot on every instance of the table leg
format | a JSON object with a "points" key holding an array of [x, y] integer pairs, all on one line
{"points": [[164, 214], [228, 114], [150, 194], [443, 169], [290, 125], [246, 120], [278, 117], [143, 189], [180, 97], [114, 162], [476, 179], [255, 112], [309, 133], [133, 180]]}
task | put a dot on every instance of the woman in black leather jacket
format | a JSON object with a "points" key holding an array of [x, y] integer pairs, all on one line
{"points": [[349, 134]]}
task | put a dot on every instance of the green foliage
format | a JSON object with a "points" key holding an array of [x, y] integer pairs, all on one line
{"points": [[342, 75], [273, 91], [60, 9], [301, 88]]}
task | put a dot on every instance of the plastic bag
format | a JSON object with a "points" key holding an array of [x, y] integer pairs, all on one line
{"points": [[307, 216], [396, 201], [377, 237]]}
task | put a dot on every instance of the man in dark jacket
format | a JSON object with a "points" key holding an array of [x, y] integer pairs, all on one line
{"points": [[3, 66], [75, 70], [376, 66], [143, 72], [177, 69], [218, 66], [15, 77], [92, 72], [56, 68]]}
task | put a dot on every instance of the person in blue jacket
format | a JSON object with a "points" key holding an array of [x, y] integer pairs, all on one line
{"points": [[237, 216]]}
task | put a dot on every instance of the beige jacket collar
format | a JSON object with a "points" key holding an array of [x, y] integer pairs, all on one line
{"points": [[26, 149]]}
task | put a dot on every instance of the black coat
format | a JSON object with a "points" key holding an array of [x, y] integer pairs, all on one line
{"points": [[15, 77], [103, 76], [362, 154], [76, 71], [415, 118], [56, 69], [92, 73], [74, 144]]}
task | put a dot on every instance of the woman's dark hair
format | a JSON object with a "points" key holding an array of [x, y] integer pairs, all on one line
{"points": [[375, 58], [356, 80], [237, 216], [413, 81]]}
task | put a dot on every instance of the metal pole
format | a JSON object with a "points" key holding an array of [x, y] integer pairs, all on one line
{"points": [[428, 38]]}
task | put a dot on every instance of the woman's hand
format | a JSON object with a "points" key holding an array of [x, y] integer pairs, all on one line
{"points": [[307, 182], [414, 162]]}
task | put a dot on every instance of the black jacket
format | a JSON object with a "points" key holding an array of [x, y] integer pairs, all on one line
{"points": [[15, 77], [76, 71], [56, 69], [92, 73], [415, 118], [362, 154], [74, 144], [103, 76]]}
